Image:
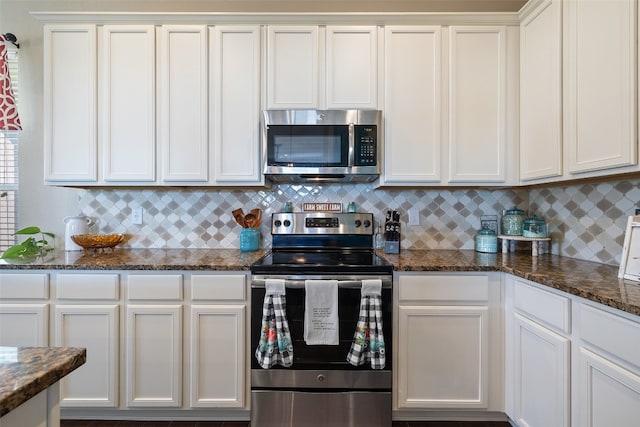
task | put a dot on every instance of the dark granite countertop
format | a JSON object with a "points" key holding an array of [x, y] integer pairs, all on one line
{"points": [[142, 259], [26, 371], [590, 280]]}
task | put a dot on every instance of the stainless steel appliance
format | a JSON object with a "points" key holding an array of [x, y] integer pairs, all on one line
{"points": [[321, 388], [322, 145]]}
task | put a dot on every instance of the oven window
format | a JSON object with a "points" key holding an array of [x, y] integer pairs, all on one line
{"points": [[322, 356], [308, 146]]}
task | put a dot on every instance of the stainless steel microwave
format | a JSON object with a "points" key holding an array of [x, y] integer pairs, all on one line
{"points": [[322, 145]]}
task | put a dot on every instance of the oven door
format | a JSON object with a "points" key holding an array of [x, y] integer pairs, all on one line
{"points": [[322, 357]]}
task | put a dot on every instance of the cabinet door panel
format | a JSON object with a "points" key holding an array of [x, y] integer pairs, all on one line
{"points": [[292, 75], [70, 84], [24, 325], [608, 395], [218, 356], [154, 355], [352, 67], [412, 96], [94, 327], [128, 102], [235, 83], [184, 138], [600, 113], [541, 92], [541, 375], [477, 104], [440, 343]]}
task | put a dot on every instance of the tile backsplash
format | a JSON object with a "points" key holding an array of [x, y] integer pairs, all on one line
{"points": [[586, 221]]}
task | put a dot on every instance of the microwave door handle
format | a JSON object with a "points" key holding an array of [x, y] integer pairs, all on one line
{"points": [[352, 144]]}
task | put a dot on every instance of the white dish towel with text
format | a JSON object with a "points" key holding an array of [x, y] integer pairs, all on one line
{"points": [[321, 312]]}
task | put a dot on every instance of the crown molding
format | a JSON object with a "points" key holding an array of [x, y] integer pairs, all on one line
{"points": [[212, 18]]}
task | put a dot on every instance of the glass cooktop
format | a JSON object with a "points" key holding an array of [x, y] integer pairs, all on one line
{"points": [[321, 261]]}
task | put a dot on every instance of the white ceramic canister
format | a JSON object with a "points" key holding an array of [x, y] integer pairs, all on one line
{"points": [[75, 225]]}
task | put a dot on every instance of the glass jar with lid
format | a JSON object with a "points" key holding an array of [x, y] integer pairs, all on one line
{"points": [[534, 227], [486, 241], [512, 222]]}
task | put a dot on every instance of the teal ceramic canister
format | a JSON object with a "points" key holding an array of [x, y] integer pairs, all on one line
{"points": [[486, 241], [249, 239]]}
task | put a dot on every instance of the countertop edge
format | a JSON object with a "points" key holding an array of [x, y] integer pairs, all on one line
{"points": [[58, 368]]}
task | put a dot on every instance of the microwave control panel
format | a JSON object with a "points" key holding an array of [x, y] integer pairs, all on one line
{"points": [[365, 145]]}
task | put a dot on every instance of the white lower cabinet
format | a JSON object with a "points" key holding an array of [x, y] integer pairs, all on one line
{"points": [[24, 309], [94, 327], [217, 356], [607, 371], [541, 375], [538, 346], [24, 325], [448, 346], [154, 355], [569, 362], [153, 335], [218, 364], [87, 314]]}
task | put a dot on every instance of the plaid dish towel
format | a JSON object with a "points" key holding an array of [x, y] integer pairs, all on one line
{"points": [[275, 346], [368, 340]]}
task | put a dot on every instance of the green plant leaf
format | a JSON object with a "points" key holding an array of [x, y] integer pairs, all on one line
{"points": [[29, 230], [46, 233], [13, 252]]}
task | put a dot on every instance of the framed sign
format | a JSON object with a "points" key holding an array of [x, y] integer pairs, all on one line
{"points": [[630, 261], [322, 207]]}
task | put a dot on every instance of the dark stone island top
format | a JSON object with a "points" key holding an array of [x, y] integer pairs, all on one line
{"points": [[26, 371], [589, 280]]}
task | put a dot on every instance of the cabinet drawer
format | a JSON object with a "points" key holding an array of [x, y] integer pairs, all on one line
{"points": [[24, 286], [443, 288], [218, 287], [611, 333], [549, 308], [87, 286], [155, 287]]}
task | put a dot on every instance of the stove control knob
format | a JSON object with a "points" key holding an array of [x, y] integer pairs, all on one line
{"points": [[277, 223], [367, 223], [287, 223], [320, 378], [358, 223]]}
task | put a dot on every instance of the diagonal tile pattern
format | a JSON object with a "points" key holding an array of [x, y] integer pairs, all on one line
{"points": [[587, 221]]}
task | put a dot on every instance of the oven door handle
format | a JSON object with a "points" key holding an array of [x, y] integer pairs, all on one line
{"points": [[300, 283]]}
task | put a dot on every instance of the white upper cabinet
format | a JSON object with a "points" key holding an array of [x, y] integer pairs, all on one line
{"points": [[446, 96], [412, 105], [292, 67], [477, 104], [351, 67], [183, 103], [127, 103], [600, 56], [70, 109], [316, 67], [235, 69], [541, 92]]}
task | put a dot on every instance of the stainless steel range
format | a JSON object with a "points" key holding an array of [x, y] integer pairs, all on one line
{"points": [[327, 384]]}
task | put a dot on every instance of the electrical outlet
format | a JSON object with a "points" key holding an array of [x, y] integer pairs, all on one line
{"points": [[136, 216], [414, 216]]}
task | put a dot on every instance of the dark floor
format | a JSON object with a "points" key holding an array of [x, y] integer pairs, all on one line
{"points": [[83, 423]]}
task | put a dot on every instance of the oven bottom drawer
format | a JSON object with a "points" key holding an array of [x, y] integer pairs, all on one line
{"points": [[276, 408]]}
